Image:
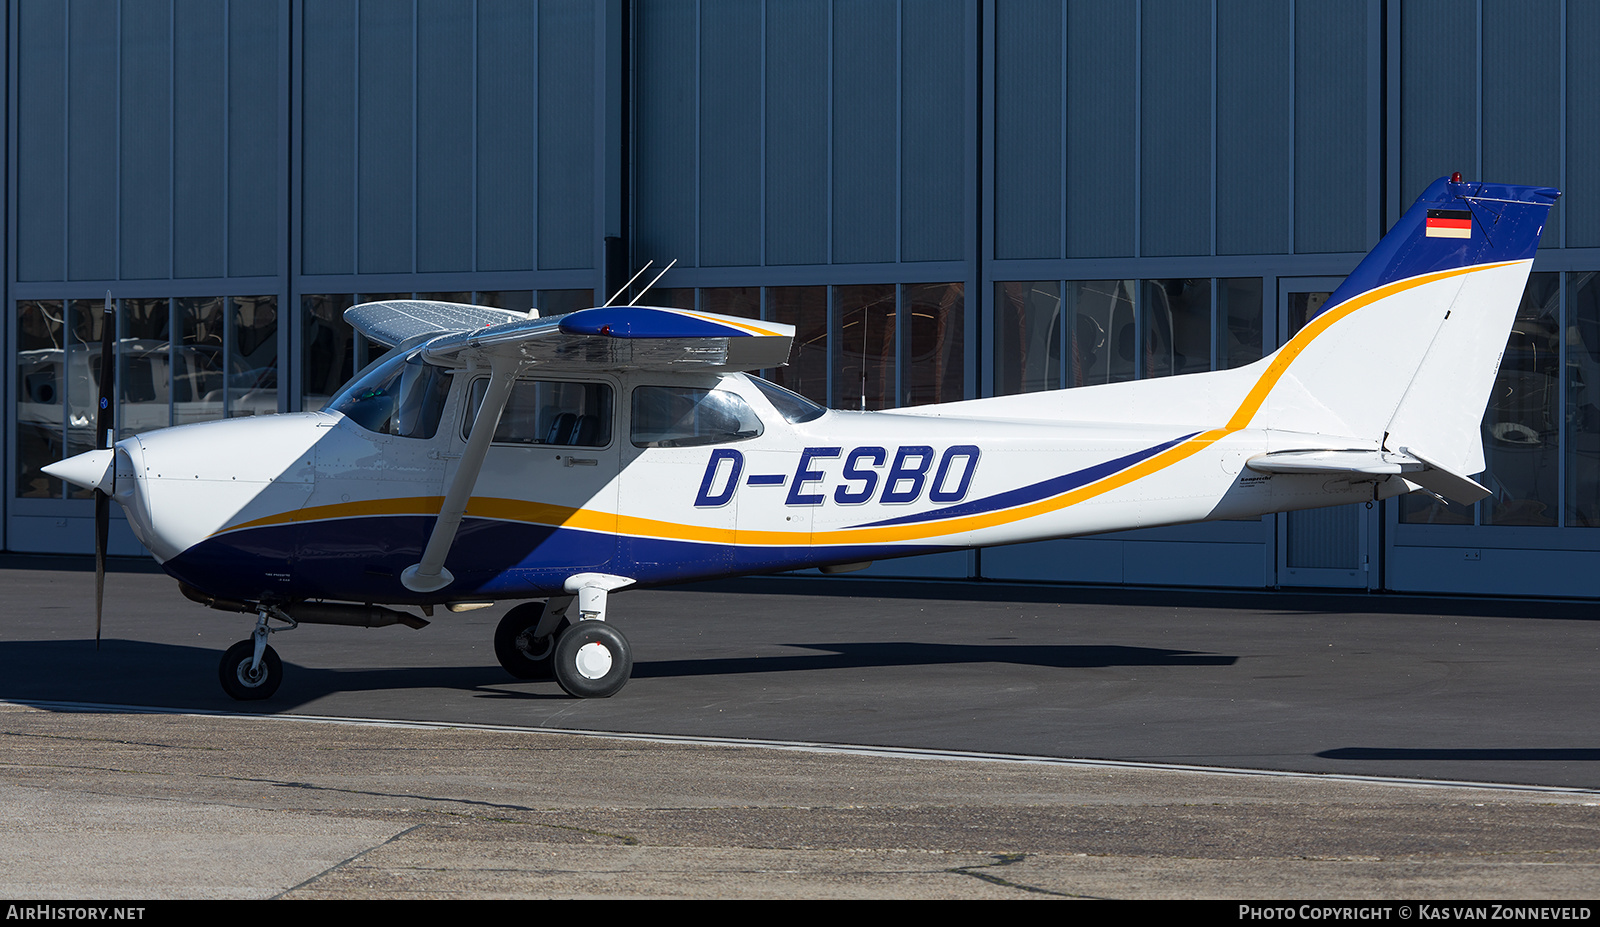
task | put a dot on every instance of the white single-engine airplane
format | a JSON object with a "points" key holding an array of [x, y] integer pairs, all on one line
{"points": [[493, 456]]}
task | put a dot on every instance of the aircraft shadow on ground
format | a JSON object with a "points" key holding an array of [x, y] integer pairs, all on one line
{"points": [[170, 676], [911, 653], [1484, 754], [124, 672]]}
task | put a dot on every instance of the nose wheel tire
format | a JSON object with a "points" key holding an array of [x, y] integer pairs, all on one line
{"points": [[239, 681], [592, 660], [523, 655]]}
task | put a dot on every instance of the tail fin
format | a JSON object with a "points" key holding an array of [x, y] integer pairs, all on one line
{"points": [[1407, 347]]}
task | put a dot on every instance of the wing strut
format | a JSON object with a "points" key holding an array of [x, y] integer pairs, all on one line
{"points": [[429, 575]]}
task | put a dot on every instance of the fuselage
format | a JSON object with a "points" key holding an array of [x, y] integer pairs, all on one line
{"points": [[658, 478]]}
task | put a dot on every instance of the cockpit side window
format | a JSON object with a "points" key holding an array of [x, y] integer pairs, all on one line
{"points": [[405, 398], [677, 416], [548, 412]]}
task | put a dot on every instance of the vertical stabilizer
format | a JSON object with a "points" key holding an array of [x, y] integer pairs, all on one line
{"points": [[1407, 348]]}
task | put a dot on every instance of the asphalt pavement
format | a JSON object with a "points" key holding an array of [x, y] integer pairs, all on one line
{"points": [[798, 737]]}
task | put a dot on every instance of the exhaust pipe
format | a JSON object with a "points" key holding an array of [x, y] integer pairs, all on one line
{"points": [[341, 613], [356, 616]]}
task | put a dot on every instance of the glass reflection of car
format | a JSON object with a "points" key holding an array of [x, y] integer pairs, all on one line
{"points": [[1521, 426], [195, 393]]}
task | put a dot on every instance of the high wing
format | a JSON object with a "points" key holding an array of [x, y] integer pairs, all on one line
{"points": [[395, 320], [606, 338]]}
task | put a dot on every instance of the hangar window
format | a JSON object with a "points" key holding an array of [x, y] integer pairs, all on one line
{"points": [[676, 416]]}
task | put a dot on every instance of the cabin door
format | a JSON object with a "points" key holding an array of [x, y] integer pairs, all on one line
{"points": [[545, 497]]}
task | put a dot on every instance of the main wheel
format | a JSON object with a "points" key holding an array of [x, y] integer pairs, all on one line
{"points": [[593, 660], [523, 655], [244, 685]]}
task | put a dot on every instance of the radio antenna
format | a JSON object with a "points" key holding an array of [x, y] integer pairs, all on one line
{"points": [[652, 283], [629, 283]]}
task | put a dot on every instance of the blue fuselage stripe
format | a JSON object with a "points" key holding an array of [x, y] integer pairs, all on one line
{"points": [[1044, 489]]}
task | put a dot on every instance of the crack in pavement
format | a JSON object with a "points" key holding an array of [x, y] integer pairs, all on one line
{"points": [[345, 862], [1007, 859]]}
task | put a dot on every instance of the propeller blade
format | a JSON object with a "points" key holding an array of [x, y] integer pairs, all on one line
{"points": [[102, 530], [104, 427]]}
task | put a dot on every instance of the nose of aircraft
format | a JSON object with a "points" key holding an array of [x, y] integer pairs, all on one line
{"points": [[179, 486], [89, 470], [117, 472]]}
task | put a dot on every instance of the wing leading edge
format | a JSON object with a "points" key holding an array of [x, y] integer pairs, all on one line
{"points": [[606, 338]]}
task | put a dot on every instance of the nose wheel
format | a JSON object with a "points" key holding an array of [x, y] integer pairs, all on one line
{"points": [[592, 660], [251, 670], [246, 679]]}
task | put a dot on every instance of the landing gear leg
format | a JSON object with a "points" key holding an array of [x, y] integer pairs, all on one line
{"points": [[592, 659], [250, 669], [525, 641]]}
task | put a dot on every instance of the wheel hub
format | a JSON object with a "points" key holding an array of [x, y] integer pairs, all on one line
{"points": [[594, 661], [535, 648]]}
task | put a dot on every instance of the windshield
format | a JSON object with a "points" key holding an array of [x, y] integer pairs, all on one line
{"points": [[403, 395]]}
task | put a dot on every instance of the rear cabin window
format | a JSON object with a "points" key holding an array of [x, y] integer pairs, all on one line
{"points": [[676, 416], [548, 412], [794, 407]]}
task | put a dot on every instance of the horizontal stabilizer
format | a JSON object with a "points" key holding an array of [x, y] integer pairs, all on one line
{"points": [[1374, 464]]}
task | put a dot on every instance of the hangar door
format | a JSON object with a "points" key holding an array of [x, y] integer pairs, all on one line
{"points": [[1321, 547]]}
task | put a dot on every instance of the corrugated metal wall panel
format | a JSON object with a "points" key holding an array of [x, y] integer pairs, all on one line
{"points": [[935, 136], [566, 134], [796, 182], [444, 136], [91, 139], [730, 133], [254, 170], [1331, 144], [508, 136], [666, 73], [145, 159], [866, 182], [1255, 131], [1102, 49], [1175, 128], [385, 185], [1581, 194], [41, 139], [1438, 95], [328, 138], [1522, 97], [199, 111], [1028, 110]]}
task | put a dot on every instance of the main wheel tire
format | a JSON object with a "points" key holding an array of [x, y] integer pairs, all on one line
{"points": [[593, 660], [523, 655], [237, 679]]}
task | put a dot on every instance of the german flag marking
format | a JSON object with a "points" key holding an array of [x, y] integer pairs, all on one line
{"points": [[1449, 223]]}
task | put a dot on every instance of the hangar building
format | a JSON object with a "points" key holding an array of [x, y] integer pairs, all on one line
{"points": [[948, 198]]}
